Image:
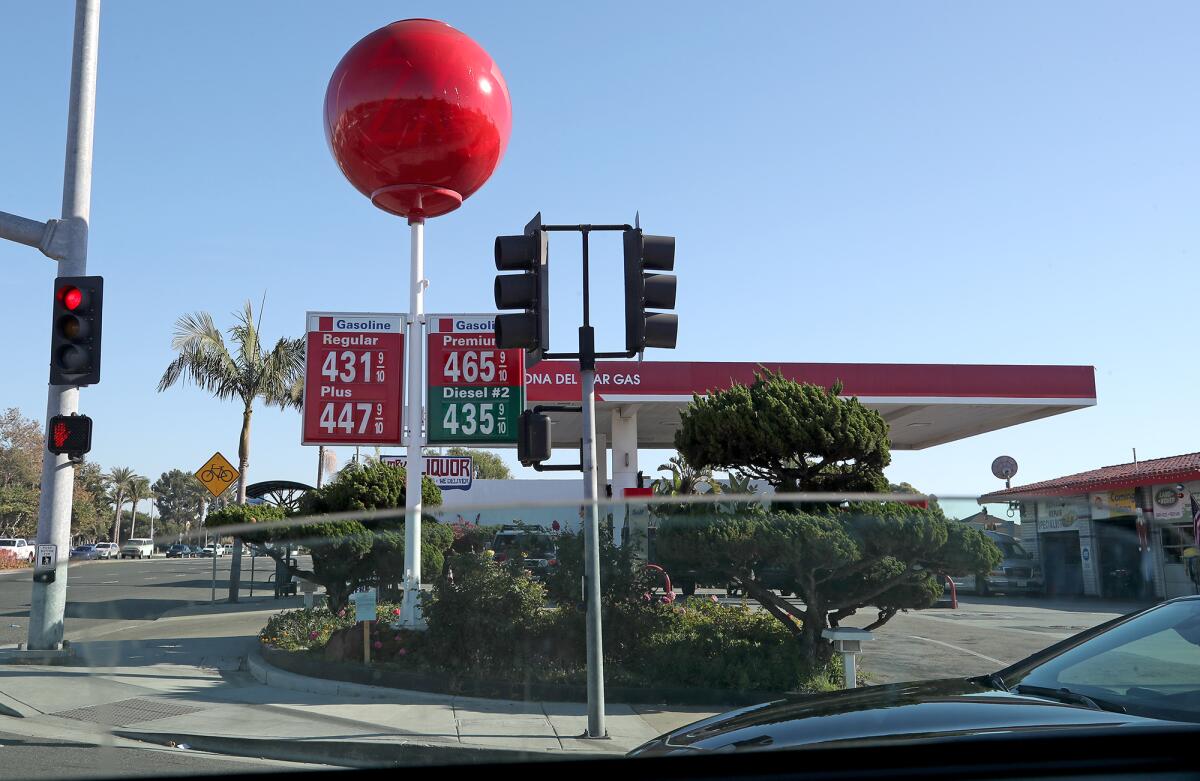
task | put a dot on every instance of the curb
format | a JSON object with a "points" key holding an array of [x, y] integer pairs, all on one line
{"points": [[352, 753], [23, 656], [338, 678], [269, 675]]}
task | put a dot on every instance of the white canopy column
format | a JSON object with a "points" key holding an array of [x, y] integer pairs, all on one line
{"points": [[624, 457]]}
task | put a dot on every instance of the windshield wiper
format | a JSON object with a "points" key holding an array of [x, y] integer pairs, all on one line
{"points": [[995, 681], [1066, 695]]}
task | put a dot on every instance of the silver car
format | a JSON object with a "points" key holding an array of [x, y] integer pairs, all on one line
{"points": [[1018, 573]]}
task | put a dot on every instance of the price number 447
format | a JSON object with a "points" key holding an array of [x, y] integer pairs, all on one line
{"points": [[352, 417]]}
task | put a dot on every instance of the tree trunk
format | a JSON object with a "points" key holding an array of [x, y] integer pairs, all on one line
{"points": [[235, 566], [116, 536], [133, 518]]}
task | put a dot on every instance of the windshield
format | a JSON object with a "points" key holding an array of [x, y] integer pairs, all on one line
{"points": [[856, 316], [1013, 550], [1149, 665]]}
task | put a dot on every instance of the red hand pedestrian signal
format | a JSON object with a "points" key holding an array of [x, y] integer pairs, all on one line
{"points": [[70, 435]]}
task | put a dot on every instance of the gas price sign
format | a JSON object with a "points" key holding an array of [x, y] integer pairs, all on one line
{"points": [[353, 379], [476, 391]]}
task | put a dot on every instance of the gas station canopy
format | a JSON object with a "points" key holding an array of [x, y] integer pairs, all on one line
{"points": [[924, 404]]}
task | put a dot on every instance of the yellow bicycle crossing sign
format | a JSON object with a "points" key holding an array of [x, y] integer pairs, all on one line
{"points": [[217, 474]]}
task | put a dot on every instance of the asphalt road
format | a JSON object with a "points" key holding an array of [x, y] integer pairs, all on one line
{"points": [[32, 757], [983, 635], [110, 594]]}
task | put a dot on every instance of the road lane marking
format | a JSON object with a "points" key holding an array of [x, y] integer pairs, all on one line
{"points": [[964, 650]]}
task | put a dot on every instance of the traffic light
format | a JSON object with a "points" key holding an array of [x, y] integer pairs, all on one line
{"points": [[649, 291], [533, 438], [75, 332], [69, 435], [528, 291]]}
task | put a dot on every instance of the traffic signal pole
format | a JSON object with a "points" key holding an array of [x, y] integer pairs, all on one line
{"points": [[591, 531], [48, 601], [410, 606]]}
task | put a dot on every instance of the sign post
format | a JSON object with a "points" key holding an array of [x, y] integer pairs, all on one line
{"points": [[476, 392]]}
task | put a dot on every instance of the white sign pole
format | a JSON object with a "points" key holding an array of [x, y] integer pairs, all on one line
{"points": [[410, 610]]}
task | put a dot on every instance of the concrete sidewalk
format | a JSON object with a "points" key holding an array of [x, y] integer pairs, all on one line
{"points": [[197, 679]]}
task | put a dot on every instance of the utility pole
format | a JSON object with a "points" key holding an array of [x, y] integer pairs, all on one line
{"points": [[48, 600]]}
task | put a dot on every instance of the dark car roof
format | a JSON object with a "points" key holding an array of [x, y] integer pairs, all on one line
{"points": [[945, 708]]}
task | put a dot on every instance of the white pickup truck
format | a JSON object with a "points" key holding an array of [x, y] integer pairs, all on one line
{"points": [[17, 546]]}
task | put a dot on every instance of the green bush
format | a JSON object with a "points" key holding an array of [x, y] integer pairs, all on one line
{"points": [[308, 629], [623, 577], [472, 538], [696, 644], [480, 620]]}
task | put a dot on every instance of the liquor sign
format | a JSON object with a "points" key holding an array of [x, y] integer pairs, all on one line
{"points": [[476, 392], [353, 379], [448, 473]]}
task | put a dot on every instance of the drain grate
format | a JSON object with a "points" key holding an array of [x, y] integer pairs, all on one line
{"points": [[126, 712]]}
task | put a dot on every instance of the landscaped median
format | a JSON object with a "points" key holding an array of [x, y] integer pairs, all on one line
{"points": [[490, 635]]}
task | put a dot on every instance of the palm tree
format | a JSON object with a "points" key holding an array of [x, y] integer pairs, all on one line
{"points": [[119, 478], [138, 489], [685, 479], [245, 374]]}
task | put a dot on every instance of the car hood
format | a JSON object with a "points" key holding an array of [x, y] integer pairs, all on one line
{"points": [[896, 712]]}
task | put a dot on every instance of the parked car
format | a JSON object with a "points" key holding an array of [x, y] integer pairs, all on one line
{"points": [[84, 552], [17, 546], [535, 546], [211, 550], [1018, 573], [107, 550], [137, 548], [197, 551], [1125, 672], [179, 551]]}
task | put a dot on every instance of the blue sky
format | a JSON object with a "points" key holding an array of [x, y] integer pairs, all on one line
{"points": [[920, 182]]}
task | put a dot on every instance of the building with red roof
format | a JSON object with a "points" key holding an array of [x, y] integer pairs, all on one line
{"points": [[1119, 531]]}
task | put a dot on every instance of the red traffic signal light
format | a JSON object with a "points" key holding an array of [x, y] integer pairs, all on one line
{"points": [[69, 435], [75, 331]]}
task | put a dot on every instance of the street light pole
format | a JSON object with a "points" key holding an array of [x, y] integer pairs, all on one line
{"points": [[410, 608], [48, 600]]}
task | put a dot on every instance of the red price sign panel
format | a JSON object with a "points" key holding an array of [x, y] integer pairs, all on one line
{"points": [[476, 391], [353, 379]]}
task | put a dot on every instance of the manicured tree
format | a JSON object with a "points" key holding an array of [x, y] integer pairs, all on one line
{"points": [[837, 557], [795, 436], [349, 552]]}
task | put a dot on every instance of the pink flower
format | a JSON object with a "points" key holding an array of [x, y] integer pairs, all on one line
{"points": [[313, 635], [395, 611], [377, 645], [342, 613], [402, 651], [713, 597]]}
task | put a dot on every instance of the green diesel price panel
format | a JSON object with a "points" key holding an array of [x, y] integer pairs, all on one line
{"points": [[476, 392]]}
